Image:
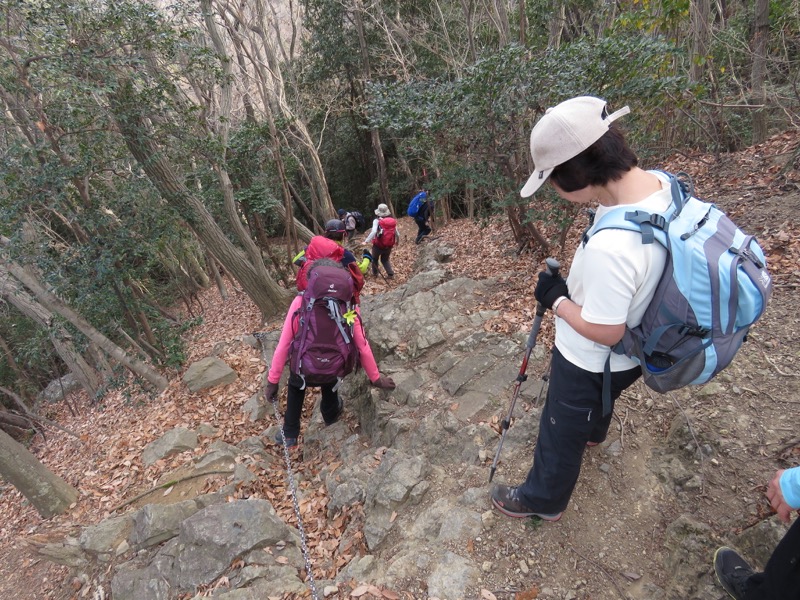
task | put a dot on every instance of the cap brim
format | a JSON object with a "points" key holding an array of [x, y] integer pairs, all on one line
{"points": [[534, 182]]}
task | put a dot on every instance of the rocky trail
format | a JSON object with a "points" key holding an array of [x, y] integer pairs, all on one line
{"points": [[394, 498]]}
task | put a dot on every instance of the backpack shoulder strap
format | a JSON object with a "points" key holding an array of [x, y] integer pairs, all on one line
{"points": [[653, 226]]}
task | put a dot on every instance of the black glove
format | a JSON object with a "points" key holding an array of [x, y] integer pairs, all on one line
{"points": [[367, 254], [271, 392], [384, 382], [549, 289]]}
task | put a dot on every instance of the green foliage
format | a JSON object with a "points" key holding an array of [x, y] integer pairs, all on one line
{"points": [[72, 199], [476, 125]]}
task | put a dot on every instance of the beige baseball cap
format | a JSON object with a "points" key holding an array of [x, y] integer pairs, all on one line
{"points": [[565, 131]]}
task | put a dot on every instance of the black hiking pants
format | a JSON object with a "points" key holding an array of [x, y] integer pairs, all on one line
{"points": [[296, 395], [571, 416], [423, 228], [781, 577], [383, 255]]}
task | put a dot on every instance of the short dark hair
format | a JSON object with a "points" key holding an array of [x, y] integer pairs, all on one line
{"points": [[608, 159]]}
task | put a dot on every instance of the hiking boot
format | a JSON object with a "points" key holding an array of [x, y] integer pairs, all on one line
{"points": [[732, 571], [507, 500], [339, 410], [291, 442]]}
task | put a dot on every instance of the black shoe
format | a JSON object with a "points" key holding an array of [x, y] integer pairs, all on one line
{"points": [[506, 499], [733, 572], [339, 410], [291, 442]]}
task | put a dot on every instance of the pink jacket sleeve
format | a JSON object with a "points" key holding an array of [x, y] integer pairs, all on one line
{"points": [[365, 352], [281, 354]]}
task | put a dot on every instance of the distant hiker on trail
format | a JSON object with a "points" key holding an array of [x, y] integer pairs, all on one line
{"points": [[323, 339], [611, 282], [330, 246], [420, 209], [384, 236], [781, 577], [349, 222], [353, 221]]}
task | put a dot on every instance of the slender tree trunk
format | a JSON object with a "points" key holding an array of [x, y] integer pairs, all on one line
{"points": [[25, 384], [10, 289], [375, 137], [700, 12], [468, 8], [218, 280], [557, 20], [263, 291], [502, 25], [757, 74], [50, 302], [47, 492]]}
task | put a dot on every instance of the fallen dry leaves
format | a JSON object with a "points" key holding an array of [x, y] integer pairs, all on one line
{"points": [[104, 462]]}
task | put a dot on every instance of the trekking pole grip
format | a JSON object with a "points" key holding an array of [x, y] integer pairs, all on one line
{"points": [[552, 267]]}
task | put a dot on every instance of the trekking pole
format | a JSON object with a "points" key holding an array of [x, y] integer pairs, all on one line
{"points": [[552, 267]]}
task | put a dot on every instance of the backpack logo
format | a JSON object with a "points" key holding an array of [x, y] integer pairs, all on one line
{"points": [[702, 309]]}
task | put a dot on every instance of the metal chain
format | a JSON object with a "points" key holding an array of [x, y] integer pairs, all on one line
{"points": [[290, 475], [293, 490]]}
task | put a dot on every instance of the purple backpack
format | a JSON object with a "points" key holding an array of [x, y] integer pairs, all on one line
{"points": [[324, 349]]}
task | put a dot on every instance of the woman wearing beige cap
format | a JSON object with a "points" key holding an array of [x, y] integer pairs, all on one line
{"points": [[383, 236], [611, 281]]}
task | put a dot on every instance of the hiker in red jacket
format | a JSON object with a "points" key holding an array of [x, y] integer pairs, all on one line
{"points": [[383, 236], [330, 246]]}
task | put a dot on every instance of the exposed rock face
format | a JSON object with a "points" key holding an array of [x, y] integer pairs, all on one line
{"points": [[411, 467]]}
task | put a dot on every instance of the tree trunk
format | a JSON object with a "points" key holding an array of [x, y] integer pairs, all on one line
{"points": [[47, 492], [557, 20], [54, 305], [503, 27], [700, 11], [218, 280], [759, 94], [263, 291], [89, 378], [468, 8], [375, 137], [24, 383]]}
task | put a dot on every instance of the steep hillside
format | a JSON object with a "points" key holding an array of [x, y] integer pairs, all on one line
{"points": [[750, 423]]}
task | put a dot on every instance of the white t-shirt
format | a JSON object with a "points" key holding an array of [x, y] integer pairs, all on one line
{"points": [[613, 278]]}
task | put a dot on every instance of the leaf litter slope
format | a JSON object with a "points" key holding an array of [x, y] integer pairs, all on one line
{"points": [[611, 540]]}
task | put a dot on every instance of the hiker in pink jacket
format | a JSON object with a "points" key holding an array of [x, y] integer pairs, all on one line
{"points": [[331, 405]]}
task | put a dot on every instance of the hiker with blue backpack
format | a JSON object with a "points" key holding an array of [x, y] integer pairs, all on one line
{"points": [[420, 210], [384, 236], [614, 296], [323, 340]]}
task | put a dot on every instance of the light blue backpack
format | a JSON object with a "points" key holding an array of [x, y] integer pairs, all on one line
{"points": [[715, 285]]}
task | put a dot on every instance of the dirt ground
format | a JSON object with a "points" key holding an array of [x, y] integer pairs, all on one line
{"points": [[612, 541]]}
